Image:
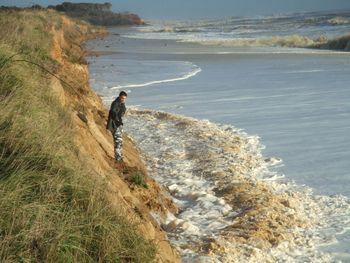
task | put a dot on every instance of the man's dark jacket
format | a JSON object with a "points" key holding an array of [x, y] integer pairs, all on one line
{"points": [[115, 115]]}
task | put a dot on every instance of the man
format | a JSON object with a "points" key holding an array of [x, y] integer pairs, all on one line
{"points": [[115, 123]]}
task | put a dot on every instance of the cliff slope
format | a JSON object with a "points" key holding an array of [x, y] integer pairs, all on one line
{"points": [[63, 198]]}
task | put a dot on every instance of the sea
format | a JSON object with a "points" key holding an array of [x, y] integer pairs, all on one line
{"points": [[260, 78]]}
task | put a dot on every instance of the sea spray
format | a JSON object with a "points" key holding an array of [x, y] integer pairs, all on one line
{"points": [[231, 209]]}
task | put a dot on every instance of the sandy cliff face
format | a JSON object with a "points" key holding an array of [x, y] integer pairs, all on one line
{"points": [[95, 142]]}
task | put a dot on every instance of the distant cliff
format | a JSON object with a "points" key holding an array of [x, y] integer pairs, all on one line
{"points": [[98, 14]]}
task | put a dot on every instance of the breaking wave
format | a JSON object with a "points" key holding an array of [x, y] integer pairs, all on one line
{"points": [[233, 206], [170, 29], [188, 75], [284, 41], [300, 30], [295, 41], [341, 43], [338, 20]]}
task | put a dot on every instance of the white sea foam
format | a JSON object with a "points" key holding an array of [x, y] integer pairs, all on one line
{"points": [[338, 20], [284, 44], [188, 75], [286, 41], [169, 29], [189, 158], [292, 30]]}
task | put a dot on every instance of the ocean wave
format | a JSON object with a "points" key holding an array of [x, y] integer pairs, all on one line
{"points": [[188, 75], [231, 208], [283, 41], [294, 41], [341, 43], [170, 29], [338, 20]]}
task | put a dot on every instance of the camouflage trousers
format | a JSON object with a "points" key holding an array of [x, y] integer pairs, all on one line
{"points": [[118, 143]]}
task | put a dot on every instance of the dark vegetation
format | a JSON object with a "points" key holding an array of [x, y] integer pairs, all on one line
{"points": [[96, 14]]}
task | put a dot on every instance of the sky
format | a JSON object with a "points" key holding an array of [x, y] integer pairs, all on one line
{"points": [[196, 9]]}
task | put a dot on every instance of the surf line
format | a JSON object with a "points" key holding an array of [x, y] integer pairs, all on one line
{"points": [[186, 76]]}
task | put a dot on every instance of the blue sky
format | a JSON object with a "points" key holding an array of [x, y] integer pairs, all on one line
{"points": [[187, 9]]}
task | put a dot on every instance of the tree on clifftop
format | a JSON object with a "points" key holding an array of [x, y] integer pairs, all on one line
{"points": [[98, 14]]}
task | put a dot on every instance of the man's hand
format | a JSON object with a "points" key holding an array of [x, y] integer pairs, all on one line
{"points": [[118, 123]]}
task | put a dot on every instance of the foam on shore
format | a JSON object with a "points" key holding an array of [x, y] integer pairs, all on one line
{"points": [[188, 75], [233, 206]]}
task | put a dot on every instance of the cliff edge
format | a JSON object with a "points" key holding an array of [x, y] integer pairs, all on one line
{"points": [[96, 148], [63, 196]]}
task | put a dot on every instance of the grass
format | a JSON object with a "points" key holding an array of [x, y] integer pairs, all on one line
{"points": [[138, 179], [52, 210]]}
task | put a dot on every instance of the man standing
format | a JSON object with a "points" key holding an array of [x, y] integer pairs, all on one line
{"points": [[115, 123]]}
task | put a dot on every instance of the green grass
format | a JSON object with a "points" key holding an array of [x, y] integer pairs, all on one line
{"points": [[52, 209], [138, 179]]}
